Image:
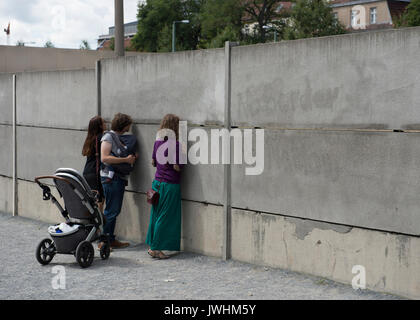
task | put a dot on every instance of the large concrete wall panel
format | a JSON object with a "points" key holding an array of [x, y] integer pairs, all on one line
{"points": [[6, 98], [189, 83], [61, 99], [6, 154], [6, 195], [363, 80], [364, 179], [390, 260], [41, 151], [25, 59]]}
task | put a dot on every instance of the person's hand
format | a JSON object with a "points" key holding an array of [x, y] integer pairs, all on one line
{"points": [[131, 159]]}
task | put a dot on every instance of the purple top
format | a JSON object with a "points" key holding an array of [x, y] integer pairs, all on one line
{"points": [[166, 172]]}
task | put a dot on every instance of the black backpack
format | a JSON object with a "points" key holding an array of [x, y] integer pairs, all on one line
{"points": [[127, 143]]}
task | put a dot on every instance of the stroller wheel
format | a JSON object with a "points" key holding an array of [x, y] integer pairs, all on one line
{"points": [[105, 251], [45, 251], [85, 254]]}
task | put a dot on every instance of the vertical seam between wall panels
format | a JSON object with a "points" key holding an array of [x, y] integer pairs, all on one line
{"points": [[227, 167], [14, 156]]}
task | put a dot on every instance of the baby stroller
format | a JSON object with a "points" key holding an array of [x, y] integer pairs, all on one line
{"points": [[84, 221]]}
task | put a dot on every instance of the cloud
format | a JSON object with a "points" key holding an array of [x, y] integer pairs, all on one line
{"points": [[65, 23]]}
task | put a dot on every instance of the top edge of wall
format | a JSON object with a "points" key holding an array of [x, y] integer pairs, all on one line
{"points": [[366, 33]]}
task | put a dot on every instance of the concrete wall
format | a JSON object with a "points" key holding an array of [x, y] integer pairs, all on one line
{"points": [[6, 98], [190, 83], [365, 80], [23, 59], [338, 189], [60, 99]]}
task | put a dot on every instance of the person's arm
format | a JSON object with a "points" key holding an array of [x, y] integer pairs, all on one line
{"points": [[154, 155], [107, 158]]}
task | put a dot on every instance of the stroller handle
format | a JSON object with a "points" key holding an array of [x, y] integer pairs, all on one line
{"points": [[50, 177]]}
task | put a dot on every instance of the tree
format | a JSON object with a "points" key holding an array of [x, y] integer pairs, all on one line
{"points": [[313, 18], [49, 44], [264, 12], [84, 45], [411, 15], [20, 43], [220, 20], [154, 30]]}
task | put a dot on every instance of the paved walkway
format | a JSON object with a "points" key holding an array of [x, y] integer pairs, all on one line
{"points": [[132, 274]]}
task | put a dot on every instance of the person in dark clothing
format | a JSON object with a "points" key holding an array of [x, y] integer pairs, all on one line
{"points": [[92, 150]]}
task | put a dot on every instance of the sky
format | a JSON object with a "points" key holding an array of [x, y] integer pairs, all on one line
{"points": [[63, 22]]}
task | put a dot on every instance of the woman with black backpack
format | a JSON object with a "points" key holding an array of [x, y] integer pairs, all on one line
{"points": [[114, 177]]}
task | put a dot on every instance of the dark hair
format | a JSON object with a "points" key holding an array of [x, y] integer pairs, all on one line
{"points": [[95, 128], [170, 121], [120, 121]]}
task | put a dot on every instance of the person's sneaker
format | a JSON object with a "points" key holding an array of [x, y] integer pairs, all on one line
{"points": [[119, 245]]}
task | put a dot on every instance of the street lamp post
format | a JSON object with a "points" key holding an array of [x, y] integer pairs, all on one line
{"points": [[173, 32], [275, 32]]}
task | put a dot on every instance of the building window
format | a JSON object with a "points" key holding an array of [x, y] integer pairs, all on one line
{"points": [[353, 15], [372, 15]]}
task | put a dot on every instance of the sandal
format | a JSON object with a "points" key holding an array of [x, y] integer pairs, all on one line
{"points": [[161, 256], [151, 253]]}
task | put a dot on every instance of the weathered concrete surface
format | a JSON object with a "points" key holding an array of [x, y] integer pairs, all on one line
{"points": [[189, 83], [31, 205], [61, 99], [364, 179], [6, 195], [132, 274], [6, 154], [391, 261], [199, 182], [363, 80], [24, 59], [41, 151], [6, 99]]}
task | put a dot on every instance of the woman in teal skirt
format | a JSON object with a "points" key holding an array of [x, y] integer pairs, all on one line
{"points": [[164, 231]]}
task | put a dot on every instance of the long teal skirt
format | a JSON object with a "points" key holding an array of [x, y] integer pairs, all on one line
{"points": [[164, 231]]}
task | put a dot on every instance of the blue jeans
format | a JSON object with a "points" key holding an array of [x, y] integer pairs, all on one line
{"points": [[114, 194]]}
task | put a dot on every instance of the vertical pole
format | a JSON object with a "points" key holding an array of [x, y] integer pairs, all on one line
{"points": [[275, 35], [119, 28], [227, 167], [173, 36], [15, 194], [98, 87]]}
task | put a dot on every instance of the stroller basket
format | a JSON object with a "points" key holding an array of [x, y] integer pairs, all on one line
{"points": [[68, 242]]}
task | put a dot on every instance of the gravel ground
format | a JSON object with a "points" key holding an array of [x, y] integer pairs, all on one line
{"points": [[132, 274]]}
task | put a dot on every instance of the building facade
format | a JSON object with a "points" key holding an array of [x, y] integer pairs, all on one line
{"points": [[362, 15]]}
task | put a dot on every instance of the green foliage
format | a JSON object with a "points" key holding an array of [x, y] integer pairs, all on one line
{"points": [[155, 25], [411, 16], [220, 20], [212, 22], [49, 44], [312, 18], [227, 34], [84, 45]]}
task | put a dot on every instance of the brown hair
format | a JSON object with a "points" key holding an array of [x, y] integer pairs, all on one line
{"points": [[95, 128], [120, 121], [170, 121]]}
